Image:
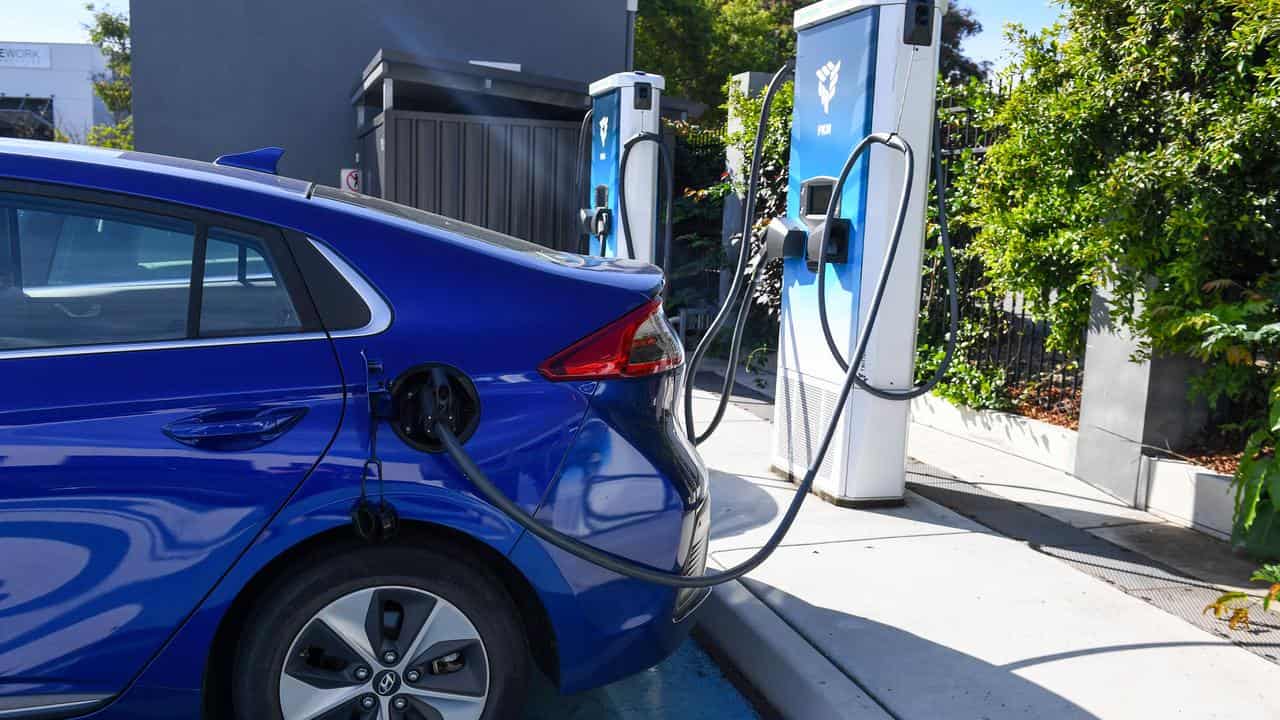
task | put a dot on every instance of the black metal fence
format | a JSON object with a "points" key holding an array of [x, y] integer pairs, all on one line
{"points": [[1000, 335]]}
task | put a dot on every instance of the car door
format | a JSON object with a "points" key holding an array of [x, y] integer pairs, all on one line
{"points": [[164, 387]]}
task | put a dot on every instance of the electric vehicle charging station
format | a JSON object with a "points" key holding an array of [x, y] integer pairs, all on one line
{"points": [[862, 66], [882, 43], [625, 113]]}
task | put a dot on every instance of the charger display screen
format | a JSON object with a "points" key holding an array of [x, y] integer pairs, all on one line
{"points": [[819, 197]]}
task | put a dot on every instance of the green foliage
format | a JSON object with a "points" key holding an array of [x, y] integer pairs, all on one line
{"points": [[1235, 606], [109, 31], [967, 382], [744, 112], [1257, 485], [1141, 151], [771, 195], [697, 44], [972, 380], [118, 136]]}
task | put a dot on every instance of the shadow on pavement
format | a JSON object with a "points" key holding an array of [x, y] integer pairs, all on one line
{"points": [[889, 662], [1170, 589], [753, 401], [738, 505]]}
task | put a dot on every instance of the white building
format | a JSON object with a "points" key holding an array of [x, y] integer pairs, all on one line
{"points": [[48, 86]]}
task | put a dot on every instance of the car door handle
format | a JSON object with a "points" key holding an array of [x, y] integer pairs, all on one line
{"points": [[235, 429]]}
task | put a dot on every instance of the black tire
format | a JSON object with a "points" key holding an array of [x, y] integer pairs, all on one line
{"points": [[292, 600]]}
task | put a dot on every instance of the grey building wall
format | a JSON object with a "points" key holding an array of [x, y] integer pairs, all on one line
{"points": [[217, 77]]}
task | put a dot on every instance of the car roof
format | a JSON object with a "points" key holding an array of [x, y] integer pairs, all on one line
{"points": [[156, 164]]}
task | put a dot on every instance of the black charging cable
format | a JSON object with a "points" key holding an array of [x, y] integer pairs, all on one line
{"points": [[896, 142], [374, 522], [444, 433], [629, 568], [735, 293], [585, 238]]}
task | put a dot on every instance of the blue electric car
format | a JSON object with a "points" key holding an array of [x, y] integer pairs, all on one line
{"points": [[189, 451]]}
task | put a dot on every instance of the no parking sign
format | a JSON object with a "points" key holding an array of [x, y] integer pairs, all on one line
{"points": [[349, 179]]}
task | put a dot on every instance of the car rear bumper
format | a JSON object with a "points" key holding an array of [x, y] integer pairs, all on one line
{"points": [[688, 600], [605, 627], [633, 485]]}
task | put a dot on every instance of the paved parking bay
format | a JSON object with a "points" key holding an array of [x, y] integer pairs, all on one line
{"points": [[688, 685]]}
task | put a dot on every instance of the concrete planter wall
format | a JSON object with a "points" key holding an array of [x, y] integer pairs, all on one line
{"points": [[1029, 439], [1190, 495], [1177, 491]]}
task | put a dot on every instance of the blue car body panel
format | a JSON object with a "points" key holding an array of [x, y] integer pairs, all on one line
{"points": [[143, 562], [112, 533], [617, 493]]}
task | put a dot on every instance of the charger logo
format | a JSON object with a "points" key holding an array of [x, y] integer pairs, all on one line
{"points": [[828, 76], [604, 128]]}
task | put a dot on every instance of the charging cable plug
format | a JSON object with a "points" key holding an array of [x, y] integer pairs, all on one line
{"points": [[785, 237]]}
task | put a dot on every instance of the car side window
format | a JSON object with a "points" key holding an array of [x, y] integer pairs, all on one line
{"points": [[80, 273], [243, 293], [86, 274]]}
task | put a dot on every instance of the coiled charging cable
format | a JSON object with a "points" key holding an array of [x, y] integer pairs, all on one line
{"points": [[896, 142]]}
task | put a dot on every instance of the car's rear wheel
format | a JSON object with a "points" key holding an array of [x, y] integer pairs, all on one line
{"points": [[383, 632]]}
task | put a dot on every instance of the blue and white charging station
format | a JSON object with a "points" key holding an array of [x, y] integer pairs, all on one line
{"points": [[862, 66], [625, 105]]}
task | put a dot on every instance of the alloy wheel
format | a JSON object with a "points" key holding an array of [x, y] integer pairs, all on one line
{"points": [[386, 653]]}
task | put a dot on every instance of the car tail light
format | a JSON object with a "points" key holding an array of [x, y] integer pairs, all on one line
{"points": [[637, 344]]}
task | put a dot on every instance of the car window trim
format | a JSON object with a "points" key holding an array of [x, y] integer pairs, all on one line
{"points": [[195, 289], [273, 242]]}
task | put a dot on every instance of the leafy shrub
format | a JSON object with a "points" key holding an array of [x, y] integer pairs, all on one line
{"points": [[968, 382], [118, 136], [1141, 151], [696, 215], [775, 158], [1235, 607]]}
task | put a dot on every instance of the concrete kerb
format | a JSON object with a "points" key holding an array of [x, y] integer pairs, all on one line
{"points": [[789, 673]]}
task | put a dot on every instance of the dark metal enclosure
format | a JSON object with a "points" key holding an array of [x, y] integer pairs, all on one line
{"points": [[491, 146], [513, 175]]}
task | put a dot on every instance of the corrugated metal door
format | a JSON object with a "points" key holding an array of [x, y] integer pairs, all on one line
{"points": [[512, 175]]}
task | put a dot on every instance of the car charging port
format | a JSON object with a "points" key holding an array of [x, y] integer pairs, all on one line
{"points": [[426, 395]]}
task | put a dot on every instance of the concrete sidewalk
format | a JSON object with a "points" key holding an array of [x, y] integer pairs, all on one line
{"points": [[919, 612]]}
